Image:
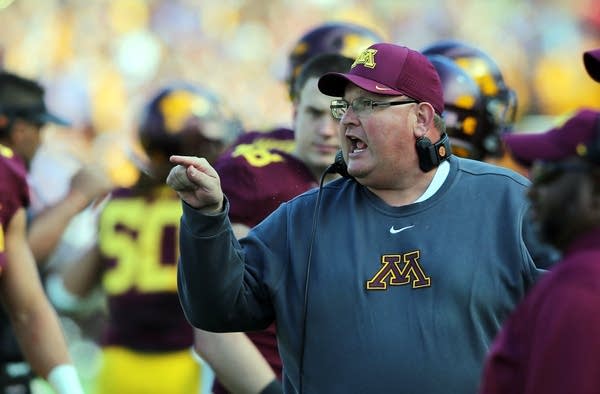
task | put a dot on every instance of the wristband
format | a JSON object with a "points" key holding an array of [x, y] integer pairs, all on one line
{"points": [[61, 298], [64, 380], [65, 301], [272, 388]]}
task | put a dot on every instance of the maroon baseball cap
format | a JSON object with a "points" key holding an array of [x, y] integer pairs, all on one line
{"points": [[569, 139], [591, 60], [391, 70]]}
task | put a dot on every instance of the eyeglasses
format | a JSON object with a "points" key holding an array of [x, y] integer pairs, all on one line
{"points": [[362, 106], [547, 172]]}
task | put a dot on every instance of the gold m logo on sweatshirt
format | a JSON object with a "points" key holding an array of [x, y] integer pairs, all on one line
{"points": [[398, 270]]}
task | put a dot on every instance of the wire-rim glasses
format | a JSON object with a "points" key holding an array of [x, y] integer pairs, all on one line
{"points": [[362, 106]]}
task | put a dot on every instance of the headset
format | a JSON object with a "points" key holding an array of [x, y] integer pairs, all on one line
{"points": [[337, 167], [430, 154]]}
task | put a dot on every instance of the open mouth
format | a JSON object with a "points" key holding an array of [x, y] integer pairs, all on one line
{"points": [[356, 145]]}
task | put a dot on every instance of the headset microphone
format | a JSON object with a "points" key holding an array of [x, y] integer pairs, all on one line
{"points": [[338, 166]]}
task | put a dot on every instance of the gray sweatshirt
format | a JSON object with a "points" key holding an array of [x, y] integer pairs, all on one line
{"points": [[400, 299]]}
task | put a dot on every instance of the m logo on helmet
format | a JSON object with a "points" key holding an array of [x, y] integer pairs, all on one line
{"points": [[366, 58]]}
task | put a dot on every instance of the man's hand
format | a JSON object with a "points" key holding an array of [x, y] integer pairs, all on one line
{"points": [[197, 183]]}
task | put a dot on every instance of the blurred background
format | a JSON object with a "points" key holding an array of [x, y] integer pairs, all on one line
{"points": [[100, 59]]}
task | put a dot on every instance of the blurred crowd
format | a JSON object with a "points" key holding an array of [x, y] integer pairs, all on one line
{"points": [[100, 58]]}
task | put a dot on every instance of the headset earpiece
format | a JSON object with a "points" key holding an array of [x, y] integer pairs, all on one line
{"points": [[431, 155]]}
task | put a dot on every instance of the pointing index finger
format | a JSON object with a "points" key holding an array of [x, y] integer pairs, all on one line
{"points": [[198, 163], [185, 160]]}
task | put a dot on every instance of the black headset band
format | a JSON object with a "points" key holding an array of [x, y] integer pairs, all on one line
{"points": [[432, 154]]}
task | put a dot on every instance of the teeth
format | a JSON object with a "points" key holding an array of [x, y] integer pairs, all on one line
{"points": [[357, 145]]}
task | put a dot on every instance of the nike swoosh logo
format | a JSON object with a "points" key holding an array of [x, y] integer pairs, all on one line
{"points": [[396, 231], [382, 88]]}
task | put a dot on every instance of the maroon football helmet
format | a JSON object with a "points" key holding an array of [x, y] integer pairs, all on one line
{"points": [[464, 111], [344, 38], [500, 100], [184, 119]]}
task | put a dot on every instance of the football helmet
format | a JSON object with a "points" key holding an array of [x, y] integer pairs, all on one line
{"points": [[464, 111], [500, 100], [184, 119], [344, 38]]}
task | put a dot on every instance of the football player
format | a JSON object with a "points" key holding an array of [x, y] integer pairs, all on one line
{"points": [[147, 339], [23, 114], [33, 320], [342, 38]]}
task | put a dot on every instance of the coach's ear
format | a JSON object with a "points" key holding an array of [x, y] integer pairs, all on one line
{"points": [[424, 120]]}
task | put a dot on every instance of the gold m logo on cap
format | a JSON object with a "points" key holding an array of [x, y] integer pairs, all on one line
{"points": [[366, 58]]}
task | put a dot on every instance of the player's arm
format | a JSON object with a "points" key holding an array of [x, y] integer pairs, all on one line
{"points": [[237, 363], [75, 288], [82, 276], [33, 319], [46, 229]]}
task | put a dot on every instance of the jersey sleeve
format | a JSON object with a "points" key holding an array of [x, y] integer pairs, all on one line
{"points": [[256, 181], [14, 192]]}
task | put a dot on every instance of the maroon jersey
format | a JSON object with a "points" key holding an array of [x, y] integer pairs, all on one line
{"points": [[139, 248], [550, 344], [14, 191], [281, 139], [257, 175]]}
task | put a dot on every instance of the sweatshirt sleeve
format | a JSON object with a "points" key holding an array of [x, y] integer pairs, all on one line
{"points": [[217, 289]]}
